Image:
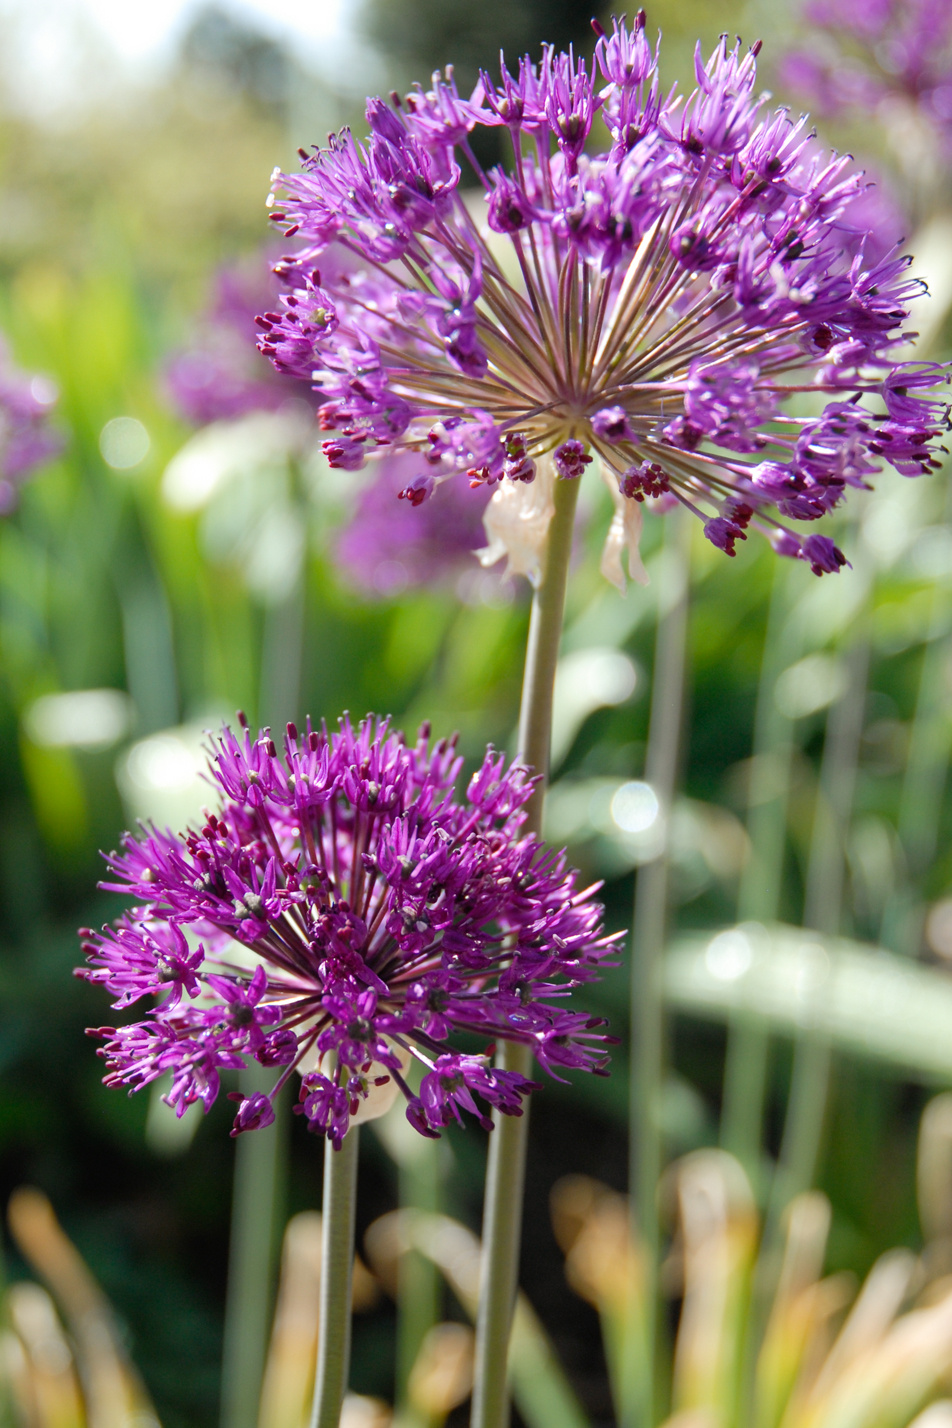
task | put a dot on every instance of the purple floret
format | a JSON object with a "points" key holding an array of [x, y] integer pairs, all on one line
{"points": [[662, 304], [343, 913], [222, 376]]}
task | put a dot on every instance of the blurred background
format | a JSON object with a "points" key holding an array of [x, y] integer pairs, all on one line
{"points": [[187, 553]]}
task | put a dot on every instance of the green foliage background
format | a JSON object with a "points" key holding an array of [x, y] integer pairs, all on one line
{"points": [[110, 229]]}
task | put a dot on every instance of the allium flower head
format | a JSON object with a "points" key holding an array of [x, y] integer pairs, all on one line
{"points": [[342, 913], [27, 439], [878, 51], [662, 303]]}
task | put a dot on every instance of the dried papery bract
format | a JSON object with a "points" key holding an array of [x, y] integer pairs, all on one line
{"points": [[662, 305]]}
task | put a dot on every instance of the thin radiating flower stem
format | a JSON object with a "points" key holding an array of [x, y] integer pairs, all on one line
{"points": [[650, 918], [337, 1267], [505, 1176]]}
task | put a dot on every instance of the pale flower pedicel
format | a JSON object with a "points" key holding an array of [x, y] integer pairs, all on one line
{"points": [[341, 913], [663, 304]]}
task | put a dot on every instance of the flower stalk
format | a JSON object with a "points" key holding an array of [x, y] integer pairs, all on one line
{"points": [[260, 1170], [650, 918], [748, 1049], [337, 1268], [261, 1161], [806, 1108], [507, 1149]]}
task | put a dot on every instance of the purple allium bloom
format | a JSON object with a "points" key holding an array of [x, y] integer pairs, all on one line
{"points": [[222, 376], [678, 292], [26, 438], [388, 545], [342, 913], [880, 51]]}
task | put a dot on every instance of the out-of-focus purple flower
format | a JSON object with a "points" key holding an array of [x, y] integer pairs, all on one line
{"points": [[876, 51], [343, 913], [27, 439], [677, 293], [389, 545], [222, 375]]}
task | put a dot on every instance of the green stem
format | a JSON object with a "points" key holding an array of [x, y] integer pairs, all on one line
{"points": [[419, 1289], [806, 1110], [337, 1269], [650, 920], [923, 791], [542, 649], [260, 1159], [505, 1175], [745, 1072]]}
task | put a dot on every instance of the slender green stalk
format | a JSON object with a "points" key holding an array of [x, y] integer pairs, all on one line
{"points": [[505, 1175], [812, 1058], [337, 1269], [806, 1109], [419, 1289], [650, 922], [923, 790], [282, 648], [745, 1072], [261, 1158], [260, 1161], [542, 648]]}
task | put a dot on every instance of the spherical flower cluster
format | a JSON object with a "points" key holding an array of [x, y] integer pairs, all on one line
{"points": [[695, 298], [878, 53], [27, 439], [341, 915]]}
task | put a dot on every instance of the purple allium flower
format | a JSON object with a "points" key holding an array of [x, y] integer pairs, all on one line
{"points": [[663, 304], [388, 545], [26, 438], [222, 376], [343, 913], [879, 53]]}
